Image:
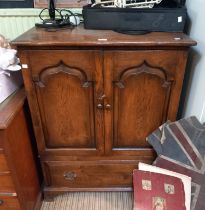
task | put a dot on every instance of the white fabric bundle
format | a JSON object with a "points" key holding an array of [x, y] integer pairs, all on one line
{"points": [[8, 60]]}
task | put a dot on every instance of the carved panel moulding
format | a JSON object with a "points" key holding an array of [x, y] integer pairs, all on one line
{"points": [[145, 67], [62, 67]]}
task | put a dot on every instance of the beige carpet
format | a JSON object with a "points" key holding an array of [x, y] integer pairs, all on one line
{"points": [[91, 201]]}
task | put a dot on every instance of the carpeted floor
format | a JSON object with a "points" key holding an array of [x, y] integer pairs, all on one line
{"points": [[91, 201]]}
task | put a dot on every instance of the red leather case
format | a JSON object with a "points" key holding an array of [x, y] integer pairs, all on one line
{"points": [[153, 191]]}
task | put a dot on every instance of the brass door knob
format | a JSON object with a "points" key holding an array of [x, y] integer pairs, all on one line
{"points": [[108, 106], [100, 106]]}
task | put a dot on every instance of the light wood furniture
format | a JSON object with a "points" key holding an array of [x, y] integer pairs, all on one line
{"points": [[19, 182], [94, 97], [61, 3]]}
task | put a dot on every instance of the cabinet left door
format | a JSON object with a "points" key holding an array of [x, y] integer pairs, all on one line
{"points": [[66, 85]]}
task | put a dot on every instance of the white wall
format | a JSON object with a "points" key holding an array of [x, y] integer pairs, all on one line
{"points": [[195, 97]]}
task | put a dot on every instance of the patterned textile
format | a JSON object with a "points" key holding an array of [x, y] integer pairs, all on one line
{"points": [[181, 147], [91, 201]]}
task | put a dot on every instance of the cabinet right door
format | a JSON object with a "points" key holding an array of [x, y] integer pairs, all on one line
{"points": [[142, 91]]}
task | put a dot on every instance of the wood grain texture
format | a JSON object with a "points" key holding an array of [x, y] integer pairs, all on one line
{"points": [[69, 114], [61, 67], [91, 137], [23, 168], [8, 110], [139, 82], [77, 174], [20, 175], [79, 124], [6, 182], [3, 163], [61, 3], [139, 91], [9, 203], [81, 37]]}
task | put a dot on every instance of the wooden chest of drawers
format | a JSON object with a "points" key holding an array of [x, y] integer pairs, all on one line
{"points": [[19, 182]]}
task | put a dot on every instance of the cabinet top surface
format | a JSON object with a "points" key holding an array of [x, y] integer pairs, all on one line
{"points": [[84, 37], [10, 107]]}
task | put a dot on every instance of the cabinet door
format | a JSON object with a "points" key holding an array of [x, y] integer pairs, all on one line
{"points": [[142, 91], [66, 85]]}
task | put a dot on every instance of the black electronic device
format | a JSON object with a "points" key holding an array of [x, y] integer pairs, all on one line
{"points": [[53, 22], [168, 16]]}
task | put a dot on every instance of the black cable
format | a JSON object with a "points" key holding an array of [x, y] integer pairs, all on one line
{"points": [[68, 16], [41, 13], [62, 22]]}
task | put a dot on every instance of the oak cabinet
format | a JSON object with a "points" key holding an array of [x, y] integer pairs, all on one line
{"points": [[94, 102]]}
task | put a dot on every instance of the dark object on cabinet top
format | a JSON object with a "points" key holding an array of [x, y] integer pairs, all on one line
{"points": [[135, 19], [166, 16]]}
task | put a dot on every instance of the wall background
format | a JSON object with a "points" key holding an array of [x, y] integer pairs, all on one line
{"points": [[195, 84], [14, 22]]}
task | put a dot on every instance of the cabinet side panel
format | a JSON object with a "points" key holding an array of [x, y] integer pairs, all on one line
{"points": [[21, 161]]}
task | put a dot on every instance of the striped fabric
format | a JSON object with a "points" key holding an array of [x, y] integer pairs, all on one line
{"points": [[181, 148], [91, 201]]}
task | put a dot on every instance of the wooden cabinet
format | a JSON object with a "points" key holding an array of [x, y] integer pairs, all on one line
{"points": [[94, 97], [19, 182]]}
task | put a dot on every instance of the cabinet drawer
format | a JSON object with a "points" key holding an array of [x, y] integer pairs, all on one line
{"points": [[3, 164], [89, 175], [6, 183], [9, 203]]}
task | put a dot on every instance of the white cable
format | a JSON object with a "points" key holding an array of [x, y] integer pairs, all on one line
{"points": [[127, 3]]}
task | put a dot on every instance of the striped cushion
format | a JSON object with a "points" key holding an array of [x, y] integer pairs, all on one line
{"points": [[181, 147]]}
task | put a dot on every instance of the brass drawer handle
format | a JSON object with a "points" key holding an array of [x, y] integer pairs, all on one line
{"points": [[1, 202], [70, 176]]}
